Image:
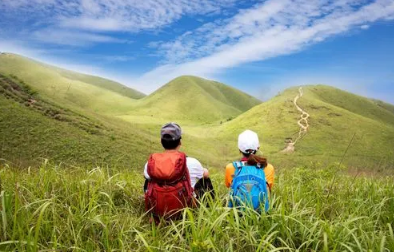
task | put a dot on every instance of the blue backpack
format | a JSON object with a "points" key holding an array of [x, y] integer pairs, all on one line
{"points": [[249, 187]]}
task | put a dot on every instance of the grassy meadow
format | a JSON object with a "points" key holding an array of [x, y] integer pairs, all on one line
{"points": [[52, 208], [72, 148]]}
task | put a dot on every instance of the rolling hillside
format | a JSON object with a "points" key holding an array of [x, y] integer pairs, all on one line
{"points": [[101, 82], [335, 117], [193, 99], [52, 113], [375, 110], [68, 88], [33, 128], [48, 112], [384, 105]]}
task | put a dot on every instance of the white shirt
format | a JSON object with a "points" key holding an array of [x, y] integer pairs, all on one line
{"points": [[196, 170]]}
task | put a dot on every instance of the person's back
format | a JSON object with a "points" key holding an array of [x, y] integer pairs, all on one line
{"points": [[171, 177], [252, 177], [169, 188]]}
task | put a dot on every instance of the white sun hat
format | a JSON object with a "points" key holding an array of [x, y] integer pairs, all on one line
{"points": [[248, 140]]}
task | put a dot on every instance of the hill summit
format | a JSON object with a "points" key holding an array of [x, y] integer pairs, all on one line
{"points": [[194, 99]]}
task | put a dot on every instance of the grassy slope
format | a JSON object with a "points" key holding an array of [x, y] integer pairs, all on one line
{"points": [[384, 105], [67, 88], [102, 210], [192, 99], [101, 82], [334, 120], [33, 128], [354, 103]]}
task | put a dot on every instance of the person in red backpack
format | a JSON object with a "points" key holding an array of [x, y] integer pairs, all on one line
{"points": [[171, 176]]}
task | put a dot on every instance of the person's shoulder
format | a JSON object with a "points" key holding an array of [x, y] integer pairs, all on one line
{"points": [[193, 163], [230, 166], [191, 160], [269, 166], [194, 166]]}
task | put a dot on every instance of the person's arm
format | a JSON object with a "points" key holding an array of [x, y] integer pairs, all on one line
{"points": [[196, 171], [228, 179], [205, 173], [269, 175]]}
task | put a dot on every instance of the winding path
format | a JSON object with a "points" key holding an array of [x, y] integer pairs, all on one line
{"points": [[303, 123]]}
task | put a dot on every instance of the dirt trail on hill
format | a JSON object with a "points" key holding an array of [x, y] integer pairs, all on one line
{"points": [[303, 123]]}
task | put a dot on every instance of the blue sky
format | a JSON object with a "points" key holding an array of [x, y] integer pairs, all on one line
{"points": [[260, 47]]}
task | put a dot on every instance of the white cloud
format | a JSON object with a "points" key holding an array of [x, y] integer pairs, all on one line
{"points": [[115, 58], [270, 29], [17, 47], [72, 38], [111, 15], [90, 21]]}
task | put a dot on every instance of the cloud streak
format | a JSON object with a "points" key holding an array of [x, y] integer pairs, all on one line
{"points": [[110, 15], [86, 22], [269, 29], [72, 38]]}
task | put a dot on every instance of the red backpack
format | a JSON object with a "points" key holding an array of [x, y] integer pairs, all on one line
{"points": [[169, 189]]}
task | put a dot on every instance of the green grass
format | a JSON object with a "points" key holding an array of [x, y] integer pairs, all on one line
{"points": [[33, 128], [92, 209]]}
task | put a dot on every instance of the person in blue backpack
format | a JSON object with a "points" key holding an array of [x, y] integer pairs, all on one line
{"points": [[251, 178]]}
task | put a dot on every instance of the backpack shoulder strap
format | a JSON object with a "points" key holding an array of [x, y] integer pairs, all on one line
{"points": [[237, 164], [238, 167]]}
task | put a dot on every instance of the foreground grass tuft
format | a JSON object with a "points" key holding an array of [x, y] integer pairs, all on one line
{"points": [[52, 208]]}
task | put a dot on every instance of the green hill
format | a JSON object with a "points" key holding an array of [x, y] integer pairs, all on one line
{"points": [[192, 99], [33, 128], [68, 88], [335, 116]]}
